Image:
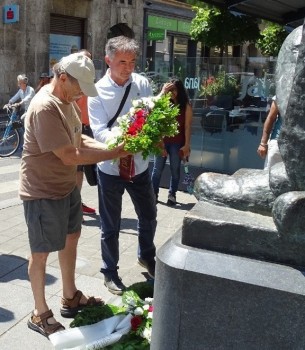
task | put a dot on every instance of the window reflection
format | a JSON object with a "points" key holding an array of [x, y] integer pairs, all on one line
{"points": [[228, 120]]}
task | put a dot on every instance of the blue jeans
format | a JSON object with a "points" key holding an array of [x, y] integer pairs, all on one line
{"points": [[174, 164], [110, 192]]}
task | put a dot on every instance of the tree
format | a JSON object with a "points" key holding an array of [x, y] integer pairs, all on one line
{"points": [[271, 39], [218, 27]]}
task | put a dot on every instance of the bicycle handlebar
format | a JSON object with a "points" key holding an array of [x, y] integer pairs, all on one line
{"points": [[11, 106]]}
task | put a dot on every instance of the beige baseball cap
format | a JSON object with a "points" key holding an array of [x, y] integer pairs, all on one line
{"points": [[81, 68]]}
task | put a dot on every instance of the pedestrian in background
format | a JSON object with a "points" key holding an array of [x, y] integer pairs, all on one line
{"points": [[113, 91], [53, 147], [43, 80], [24, 95], [268, 147], [178, 147]]}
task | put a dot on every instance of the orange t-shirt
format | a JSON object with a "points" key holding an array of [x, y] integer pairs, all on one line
{"points": [[83, 106]]}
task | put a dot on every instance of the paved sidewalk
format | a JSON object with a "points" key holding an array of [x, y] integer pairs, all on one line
{"points": [[16, 301]]}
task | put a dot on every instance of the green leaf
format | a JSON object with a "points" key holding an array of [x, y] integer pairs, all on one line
{"points": [[161, 121], [237, 29], [223, 84], [94, 314], [271, 39]]}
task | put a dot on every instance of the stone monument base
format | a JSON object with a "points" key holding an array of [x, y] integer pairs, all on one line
{"points": [[211, 300]]}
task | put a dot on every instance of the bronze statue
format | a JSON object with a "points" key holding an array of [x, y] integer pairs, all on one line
{"points": [[279, 193]]}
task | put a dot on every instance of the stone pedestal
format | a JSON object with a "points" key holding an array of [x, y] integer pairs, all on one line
{"points": [[206, 299]]}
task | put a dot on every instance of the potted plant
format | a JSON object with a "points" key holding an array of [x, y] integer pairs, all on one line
{"points": [[218, 89]]}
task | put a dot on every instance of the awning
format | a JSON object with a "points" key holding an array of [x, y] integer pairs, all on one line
{"points": [[285, 12]]}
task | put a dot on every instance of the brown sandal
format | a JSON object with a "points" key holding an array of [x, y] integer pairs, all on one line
{"points": [[40, 324], [70, 307]]}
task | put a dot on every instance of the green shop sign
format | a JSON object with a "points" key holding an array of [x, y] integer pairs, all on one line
{"points": [[162, 23], [169, 24], [155, 34], [184, 27]]}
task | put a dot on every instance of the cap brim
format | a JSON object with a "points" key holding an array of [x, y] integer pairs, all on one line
{"points": [[88, 89]]}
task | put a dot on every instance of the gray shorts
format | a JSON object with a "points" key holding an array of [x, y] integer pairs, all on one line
{"points": [[49, 221]]}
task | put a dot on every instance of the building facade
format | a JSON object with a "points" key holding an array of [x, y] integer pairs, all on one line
{"points": [[34, 34]]}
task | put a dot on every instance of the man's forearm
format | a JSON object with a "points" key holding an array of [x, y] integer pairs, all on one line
{"points": [[71, 155], [90, 156], [89, 142]]}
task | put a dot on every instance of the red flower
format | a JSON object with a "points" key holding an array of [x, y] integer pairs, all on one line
{"points": [[132, 130], [209, 80], [139, 122], [135, 322], [151, 308], [136, 125], [140, 113]]}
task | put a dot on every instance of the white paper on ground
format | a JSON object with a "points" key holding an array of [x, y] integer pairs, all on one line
{"points": [[79, 338]]}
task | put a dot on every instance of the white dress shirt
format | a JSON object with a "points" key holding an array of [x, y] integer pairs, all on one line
{"points": [[104, 106]]}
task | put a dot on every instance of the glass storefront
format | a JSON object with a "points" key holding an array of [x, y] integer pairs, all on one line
{"points": [[168, 45], [230, 98]]}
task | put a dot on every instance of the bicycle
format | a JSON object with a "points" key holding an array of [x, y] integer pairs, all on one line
{"points": [[9, 131]]}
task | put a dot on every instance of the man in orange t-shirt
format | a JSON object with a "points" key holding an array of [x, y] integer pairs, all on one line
{"points": [[83, 106]]}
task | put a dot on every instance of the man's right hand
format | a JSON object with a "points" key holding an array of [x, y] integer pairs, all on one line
{"points": [[121, 152]]}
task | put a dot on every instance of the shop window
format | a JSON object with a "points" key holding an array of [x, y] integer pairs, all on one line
{"points": [[67, 25], [66, 37]]}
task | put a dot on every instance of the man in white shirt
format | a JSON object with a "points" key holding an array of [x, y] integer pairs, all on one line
{"points": [[121, 54]]}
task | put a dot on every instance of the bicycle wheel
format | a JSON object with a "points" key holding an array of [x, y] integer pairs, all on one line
{"points": [[9, 140]]}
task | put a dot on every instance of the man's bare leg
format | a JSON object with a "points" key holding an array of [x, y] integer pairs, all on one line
{"points": [[67, 261], [37, 275]]}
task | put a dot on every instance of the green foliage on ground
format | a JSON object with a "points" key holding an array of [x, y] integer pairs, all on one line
{"points": [[130, 342], [143, 289], [94, 314]]}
